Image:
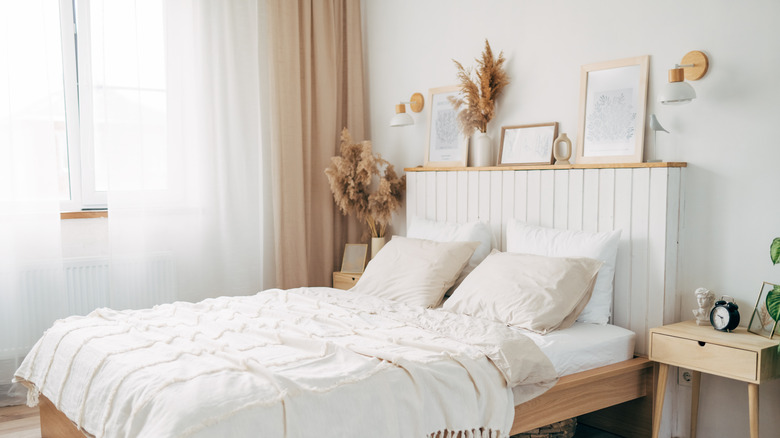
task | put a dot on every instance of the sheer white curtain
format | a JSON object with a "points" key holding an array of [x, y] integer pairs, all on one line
{"points": [[32, 120], [180, 129], [171, 109]]}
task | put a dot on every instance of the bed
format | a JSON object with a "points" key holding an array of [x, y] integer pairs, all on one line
{"points": [[577, 391]]}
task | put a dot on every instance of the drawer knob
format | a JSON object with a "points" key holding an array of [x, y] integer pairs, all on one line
{"points": [[701, 344]]}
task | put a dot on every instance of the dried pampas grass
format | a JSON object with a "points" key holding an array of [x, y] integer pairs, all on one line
{"points": [[352, 176], [478, 97]]}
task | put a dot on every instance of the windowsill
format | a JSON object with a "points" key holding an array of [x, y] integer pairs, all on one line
{"points": [[84, 214]]}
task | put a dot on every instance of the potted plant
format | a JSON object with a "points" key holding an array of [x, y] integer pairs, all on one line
{"points": [[365, 185], [478, 101]]}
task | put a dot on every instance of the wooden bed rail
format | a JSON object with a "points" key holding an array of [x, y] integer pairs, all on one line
{"points": [[590, 391], [54, 424]]}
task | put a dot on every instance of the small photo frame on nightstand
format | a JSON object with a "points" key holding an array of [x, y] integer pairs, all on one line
{"points": [[761, 322], [354, 261]]}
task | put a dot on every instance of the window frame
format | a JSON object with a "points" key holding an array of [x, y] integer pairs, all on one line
{"points": [[76, 62]]}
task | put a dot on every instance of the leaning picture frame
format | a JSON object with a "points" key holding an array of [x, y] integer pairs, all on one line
{"points": [[613, 99], [446, 146], [527, 145], [354, 260], [761, 323]]}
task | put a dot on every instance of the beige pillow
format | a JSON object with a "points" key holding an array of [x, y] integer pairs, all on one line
{"points": [[533, 292], [476, 231], [414, 271]]}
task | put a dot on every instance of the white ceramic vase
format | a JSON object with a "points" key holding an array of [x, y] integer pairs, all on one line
{"points": [[481, 150], [376, 244]]}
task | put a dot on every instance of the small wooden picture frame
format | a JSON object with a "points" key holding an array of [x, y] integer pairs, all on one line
{"points": [[527, 145], [446, 146], [761, 323], [613, 99], [354, 260]]}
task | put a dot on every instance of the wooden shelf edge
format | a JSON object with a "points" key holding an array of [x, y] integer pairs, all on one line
{"points": [[84, 214], [549, 167]]}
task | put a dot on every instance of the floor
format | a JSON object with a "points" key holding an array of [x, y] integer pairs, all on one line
{"points": [[19, 422], [23, 422]]}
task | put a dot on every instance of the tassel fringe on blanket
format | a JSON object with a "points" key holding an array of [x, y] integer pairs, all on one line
{"points": [[472, 433]]}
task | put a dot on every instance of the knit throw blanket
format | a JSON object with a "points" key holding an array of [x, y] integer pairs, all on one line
{"points": [[295, 363]]}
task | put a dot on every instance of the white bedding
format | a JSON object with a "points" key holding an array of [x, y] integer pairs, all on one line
{"points": [[292, 363], [583, 347]]}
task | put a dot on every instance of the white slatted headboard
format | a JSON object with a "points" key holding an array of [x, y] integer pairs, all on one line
{"points": [[643, 201]]}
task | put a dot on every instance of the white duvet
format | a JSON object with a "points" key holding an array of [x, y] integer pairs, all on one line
{"points": [[303, 362]]}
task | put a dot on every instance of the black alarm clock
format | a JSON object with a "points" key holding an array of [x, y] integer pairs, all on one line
{"points": [[725, 315]]}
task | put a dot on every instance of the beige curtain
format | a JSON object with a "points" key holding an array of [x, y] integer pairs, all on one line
{"points": [[316, 78]]}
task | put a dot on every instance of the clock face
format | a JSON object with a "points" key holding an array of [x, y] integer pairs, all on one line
{"points": [[720, 317]]}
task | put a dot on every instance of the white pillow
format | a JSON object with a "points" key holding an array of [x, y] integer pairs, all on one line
{"points": [[477, 231], [414, 271], [531, 239], [529, 291]]}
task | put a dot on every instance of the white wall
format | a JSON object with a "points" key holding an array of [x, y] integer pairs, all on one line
{"points": [[727, 135]]}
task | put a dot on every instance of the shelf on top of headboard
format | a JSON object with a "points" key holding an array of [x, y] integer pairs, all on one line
{"points": [[551, 167]]}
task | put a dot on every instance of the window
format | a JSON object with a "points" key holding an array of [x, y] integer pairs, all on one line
{"points": [[114, 121]]}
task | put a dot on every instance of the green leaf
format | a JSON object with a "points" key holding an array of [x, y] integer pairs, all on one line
{"points": [[773, 303], [774, 251]]}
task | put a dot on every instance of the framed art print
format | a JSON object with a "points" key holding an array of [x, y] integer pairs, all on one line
{"points": [[761, 322], [526, 145], [447, 147], [354, 260], [613, 98]]}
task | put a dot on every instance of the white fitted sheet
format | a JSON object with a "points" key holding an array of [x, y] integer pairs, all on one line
{"points": [[584, 346]]}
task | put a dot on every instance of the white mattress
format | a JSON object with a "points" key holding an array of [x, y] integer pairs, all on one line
{"points": [[583, 346]]}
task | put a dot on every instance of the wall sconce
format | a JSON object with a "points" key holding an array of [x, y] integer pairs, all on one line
{"points": [[677, 92], [401, 118]]}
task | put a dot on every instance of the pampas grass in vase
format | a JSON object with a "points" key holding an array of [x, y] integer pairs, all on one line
{"points": [[365, 185], [476, 101]]}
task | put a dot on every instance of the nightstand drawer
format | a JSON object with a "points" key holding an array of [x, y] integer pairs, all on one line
{"points": [[345, 281], [708, 357]]}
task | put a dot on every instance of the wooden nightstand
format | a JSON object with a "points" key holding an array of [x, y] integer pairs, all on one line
{"points": [[342, 280], [738, 355]]}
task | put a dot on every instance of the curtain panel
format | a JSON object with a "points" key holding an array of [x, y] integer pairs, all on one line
{"points": [[181, 135], [32, 120], [317, 89]]}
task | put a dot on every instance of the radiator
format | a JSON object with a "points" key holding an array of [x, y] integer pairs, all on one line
{"points": [[128, 282], [77, 286], [81, 285]]}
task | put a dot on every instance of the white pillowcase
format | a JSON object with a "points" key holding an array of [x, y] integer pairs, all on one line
{"points": [[528, 291], [531, 239], [414, 271], [476, 231]]}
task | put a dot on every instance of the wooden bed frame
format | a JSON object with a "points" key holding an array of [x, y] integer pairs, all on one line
{"points": [[573, 395], [625, 387], [643, 200]]}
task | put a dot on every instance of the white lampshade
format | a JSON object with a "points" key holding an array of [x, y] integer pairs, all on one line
{"points": [[401, 119], [676, 93]]}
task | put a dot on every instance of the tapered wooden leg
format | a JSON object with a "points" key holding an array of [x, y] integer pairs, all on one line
{"points": [[660, 390], [753, 409], [695, 385]]}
